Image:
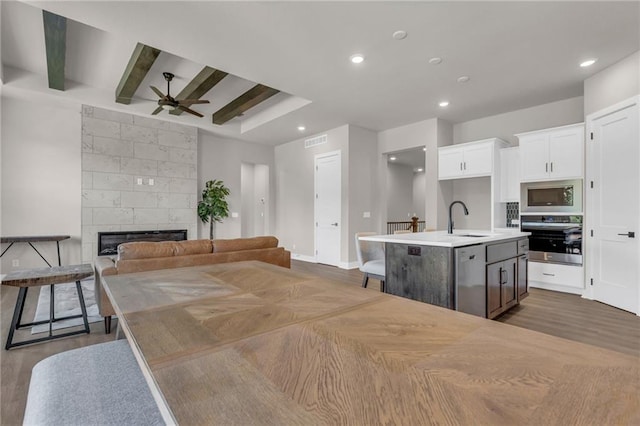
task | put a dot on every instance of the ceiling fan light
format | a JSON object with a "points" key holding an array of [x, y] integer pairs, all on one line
{"points": [[168, 107]]}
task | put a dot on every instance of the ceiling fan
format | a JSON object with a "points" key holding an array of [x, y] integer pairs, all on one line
{"points": [[169, 103]]}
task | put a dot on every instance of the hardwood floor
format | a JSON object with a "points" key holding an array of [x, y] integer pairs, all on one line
{"points": [[558, 314]]}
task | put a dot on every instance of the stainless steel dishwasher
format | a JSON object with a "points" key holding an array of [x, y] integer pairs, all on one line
{"points": [[470, 280]]}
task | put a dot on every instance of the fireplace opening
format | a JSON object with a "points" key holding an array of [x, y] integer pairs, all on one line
{"points": [[108, 241]]}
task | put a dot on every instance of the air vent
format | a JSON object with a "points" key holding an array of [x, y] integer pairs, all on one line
{"points": [[318, 140]]}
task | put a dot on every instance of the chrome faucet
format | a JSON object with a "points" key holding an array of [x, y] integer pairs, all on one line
{"points": [[450, 225]]}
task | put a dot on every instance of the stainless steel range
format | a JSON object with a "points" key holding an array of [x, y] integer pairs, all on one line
{"points": [[554, 238]]}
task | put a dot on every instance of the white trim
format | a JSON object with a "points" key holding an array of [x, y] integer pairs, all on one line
{"points": [[317, 157], [348, 265], [590, 164], [303, 258], [556, 287], [611, 109]]}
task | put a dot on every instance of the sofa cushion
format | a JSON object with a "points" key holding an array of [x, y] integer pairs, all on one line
{"points": [[145, 250], [237, 244], [191, 247]]}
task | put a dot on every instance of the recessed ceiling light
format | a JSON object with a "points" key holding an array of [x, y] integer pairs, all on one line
{"points": [[588, 63], [400, 35], [302, 128], [418, 170], [435, 61], [444, 103], [463, 79], [392, 158], [424, 149], [357, 58]]}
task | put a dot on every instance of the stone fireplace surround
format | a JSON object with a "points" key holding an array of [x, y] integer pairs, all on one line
{"points": [[138, 174]]}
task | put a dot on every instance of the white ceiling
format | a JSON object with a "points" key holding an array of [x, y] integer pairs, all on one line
{"points": [[518, 54]]}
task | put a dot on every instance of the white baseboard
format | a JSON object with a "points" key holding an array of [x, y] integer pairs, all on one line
{"points": [[554, 287], [303, 257], [348, 265]]}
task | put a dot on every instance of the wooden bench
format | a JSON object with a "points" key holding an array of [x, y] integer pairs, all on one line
{"points": [[98, 384]]}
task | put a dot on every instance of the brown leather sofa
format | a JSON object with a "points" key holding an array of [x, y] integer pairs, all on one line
{"points": [[148, 256]]}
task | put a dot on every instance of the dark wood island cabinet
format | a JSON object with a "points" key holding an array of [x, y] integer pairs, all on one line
{"points": [[439, 275]]}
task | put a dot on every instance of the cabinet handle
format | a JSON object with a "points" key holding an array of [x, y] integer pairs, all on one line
{"points": [[501, 271], [461, 166], [552, 167], [549, 275], [465, 165], [546, 167]]}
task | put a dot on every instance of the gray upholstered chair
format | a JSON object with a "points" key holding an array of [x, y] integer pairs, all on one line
{"points": [[370, 259]]}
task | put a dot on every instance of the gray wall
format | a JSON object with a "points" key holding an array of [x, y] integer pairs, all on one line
{"points": [[400, 192], [295, 190], [221, 158], [431, 134], [419, 194], [363, 184], [505, 126], [612, 85], [40, 171], [294, 166]]}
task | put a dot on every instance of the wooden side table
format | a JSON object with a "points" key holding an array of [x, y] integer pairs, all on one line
{"points": [[46, 276]]}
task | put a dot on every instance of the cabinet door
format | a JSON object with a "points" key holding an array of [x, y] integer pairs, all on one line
{"points": [[566, 153], [509, 283], [523, 288], [510, 175], [478, 160], [534, 157], [450, 163], [494, 293]]}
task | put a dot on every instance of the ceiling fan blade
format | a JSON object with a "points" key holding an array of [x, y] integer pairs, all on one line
{"points": [[157, 110], [157, 91], [192, 101], [190, 111]]}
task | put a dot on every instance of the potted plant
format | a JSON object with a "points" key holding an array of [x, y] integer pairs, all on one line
{"points": [[213, 207]]}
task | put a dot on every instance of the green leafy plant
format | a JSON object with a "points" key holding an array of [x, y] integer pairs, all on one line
{"points": [[213, 207]]}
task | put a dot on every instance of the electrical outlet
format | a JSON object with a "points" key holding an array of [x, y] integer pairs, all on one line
{"points": [[151, 182], [15, 262], [139, 181]]}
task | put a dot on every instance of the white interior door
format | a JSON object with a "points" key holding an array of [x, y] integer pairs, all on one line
{"points": [[328, 208], [614, 207]]}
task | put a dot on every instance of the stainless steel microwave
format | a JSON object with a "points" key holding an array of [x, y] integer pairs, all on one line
{"points": [[562, 196]]}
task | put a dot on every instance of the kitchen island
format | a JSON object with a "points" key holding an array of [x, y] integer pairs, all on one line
{"points": [[478, 272]]}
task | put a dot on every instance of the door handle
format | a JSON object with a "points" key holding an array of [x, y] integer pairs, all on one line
{"points": [[334, 224], [629, 234]]}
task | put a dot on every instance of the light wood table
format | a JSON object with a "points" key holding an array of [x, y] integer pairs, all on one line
{"points": [[251, 343]]}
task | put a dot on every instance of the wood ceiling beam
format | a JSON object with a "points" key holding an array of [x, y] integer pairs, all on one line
{"points": [[55, 41], [201, 84], [242, 103], [142, 59]]}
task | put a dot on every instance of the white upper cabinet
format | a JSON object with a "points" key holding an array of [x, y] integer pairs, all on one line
{"points": [[552, 154], [466, 160], [510, 175]]}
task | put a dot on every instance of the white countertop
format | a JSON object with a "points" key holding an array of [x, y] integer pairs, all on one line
{"points": [[459, 238]]}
